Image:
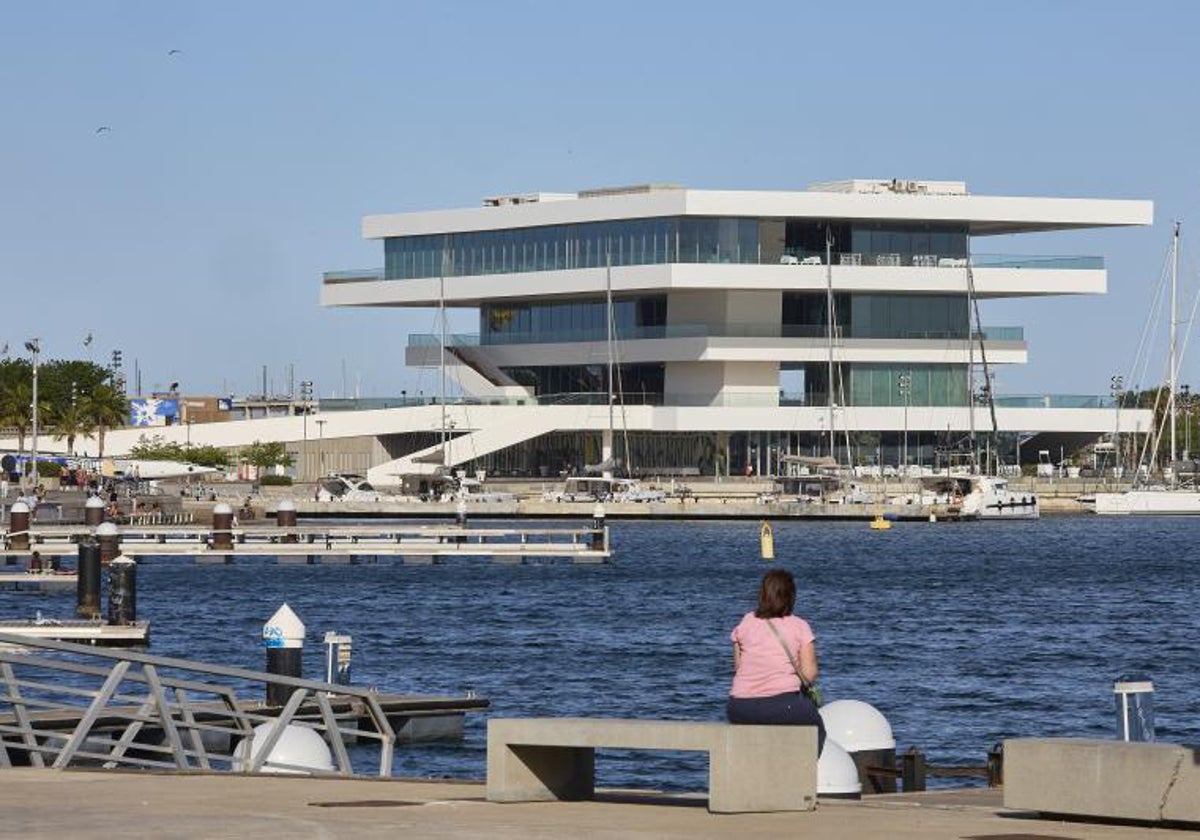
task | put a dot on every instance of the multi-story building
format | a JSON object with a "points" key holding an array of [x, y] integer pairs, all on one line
{"points": [[720, 322]]}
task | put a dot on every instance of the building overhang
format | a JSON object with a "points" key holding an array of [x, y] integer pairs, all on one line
{"points": [[983, 215], [471, 291]]}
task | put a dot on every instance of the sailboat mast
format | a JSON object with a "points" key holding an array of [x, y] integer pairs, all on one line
{"points": [[829, 330], [1174, 346], [608, 325], [442, 362]]}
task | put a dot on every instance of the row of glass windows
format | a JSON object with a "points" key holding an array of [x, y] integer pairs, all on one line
{"points": [[930, 385], [572, 320], [638, 382], [668, 239], [879, 316]]}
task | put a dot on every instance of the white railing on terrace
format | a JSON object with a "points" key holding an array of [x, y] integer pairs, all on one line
{"points": [[790, 256]]}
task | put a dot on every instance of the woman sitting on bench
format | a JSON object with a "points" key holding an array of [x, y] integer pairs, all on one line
{"points": [[774, 661]]}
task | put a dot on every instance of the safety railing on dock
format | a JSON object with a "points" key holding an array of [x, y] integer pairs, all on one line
{"points": [[64, 705]]}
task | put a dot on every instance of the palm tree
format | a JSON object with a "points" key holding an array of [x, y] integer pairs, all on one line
{"points": [[106, 408], [70, 422], [16, 400]]}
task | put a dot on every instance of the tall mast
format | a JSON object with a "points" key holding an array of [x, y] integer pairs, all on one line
{"points": [[829, 329], [442, 362], [1172, 385], [608, 324]]}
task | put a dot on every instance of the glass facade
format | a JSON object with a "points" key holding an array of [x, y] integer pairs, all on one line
{"points": [[571, 320], [877, 316], [637, 383], [667, 239]]}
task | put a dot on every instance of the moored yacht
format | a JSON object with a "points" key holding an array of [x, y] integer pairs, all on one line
{"points": [[974, 495]]}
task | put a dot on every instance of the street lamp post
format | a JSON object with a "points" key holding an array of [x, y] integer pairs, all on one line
{"points": [[35, 348], [305, 397], [1117, 385], [321, 445], [905, 383]]}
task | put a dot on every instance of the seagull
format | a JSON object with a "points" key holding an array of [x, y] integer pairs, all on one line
{"points": [[87, 340], [174, 52], [103, 129]]}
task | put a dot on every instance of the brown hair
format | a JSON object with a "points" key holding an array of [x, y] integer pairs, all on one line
{"points": [[777, 594]]}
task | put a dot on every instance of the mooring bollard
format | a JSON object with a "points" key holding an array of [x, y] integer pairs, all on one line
{"points": [[110, 541], [283, 635], [995, 765], [122, 591], [222, 527], [87, 586], [598, 527], [93, 511], [285, 517], [18, 526]]}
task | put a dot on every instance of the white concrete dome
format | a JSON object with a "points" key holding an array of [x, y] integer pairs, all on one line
{"points": [[285, 504], [94, 502], [106, 529], [837, 775], [298, 751], [857, 726], [222, 508], [19, 507]]}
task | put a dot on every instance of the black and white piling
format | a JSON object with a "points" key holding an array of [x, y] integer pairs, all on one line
{"points": [[87, 576], [93, 511], [18, 526], [598, 527], [283, 636], [285, 517], [338, 648], [110, 541], [122, 591], [222, 527]]}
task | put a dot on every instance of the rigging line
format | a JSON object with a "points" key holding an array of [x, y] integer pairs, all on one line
{"points": [[1152, 319], [993, 437]]}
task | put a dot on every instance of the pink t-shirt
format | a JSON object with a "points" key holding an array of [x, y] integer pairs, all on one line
{"points": [[763, 668]]}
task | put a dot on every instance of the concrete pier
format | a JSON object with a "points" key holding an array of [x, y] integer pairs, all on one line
{"points": [[105, 805]]}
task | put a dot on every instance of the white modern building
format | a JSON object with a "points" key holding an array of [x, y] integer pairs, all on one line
{"points": [[725, 346]]}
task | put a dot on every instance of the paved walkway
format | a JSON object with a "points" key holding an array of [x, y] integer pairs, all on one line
{"points": [[78, 804]]}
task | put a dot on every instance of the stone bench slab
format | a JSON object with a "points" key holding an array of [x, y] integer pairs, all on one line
{"points": [[1103, 779], [751, 768]]}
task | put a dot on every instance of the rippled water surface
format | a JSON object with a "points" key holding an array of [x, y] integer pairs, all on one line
{"points": [[961, 634]]}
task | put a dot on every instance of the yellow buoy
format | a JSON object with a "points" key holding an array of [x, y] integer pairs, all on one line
{"points": [[880, 524], [766, 539]]}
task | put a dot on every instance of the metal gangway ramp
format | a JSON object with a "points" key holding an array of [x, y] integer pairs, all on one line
{"points": [[64, 705]]}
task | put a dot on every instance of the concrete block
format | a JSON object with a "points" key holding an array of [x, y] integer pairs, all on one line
{"points": [[751, 768], [1103, 779]]}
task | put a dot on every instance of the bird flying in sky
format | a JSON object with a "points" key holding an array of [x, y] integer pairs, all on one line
{"points": [[87, 340], [103, 129], [174, 52]]}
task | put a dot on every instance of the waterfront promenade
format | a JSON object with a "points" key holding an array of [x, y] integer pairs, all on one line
{"points": [[80, 804]]}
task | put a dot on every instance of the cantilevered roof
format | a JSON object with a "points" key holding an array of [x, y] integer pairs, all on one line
{"points": [[983, 214]]}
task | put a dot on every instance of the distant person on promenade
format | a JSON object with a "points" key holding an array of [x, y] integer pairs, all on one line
{"points": [[774, 660]]}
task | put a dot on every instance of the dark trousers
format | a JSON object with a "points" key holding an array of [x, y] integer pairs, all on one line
{"points": [[791, 709]]}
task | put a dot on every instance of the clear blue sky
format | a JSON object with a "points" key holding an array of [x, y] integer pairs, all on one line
{"points": [[193, 234]]}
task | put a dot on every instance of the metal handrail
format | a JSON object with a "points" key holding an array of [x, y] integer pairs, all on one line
{"points": [[135, 700]]}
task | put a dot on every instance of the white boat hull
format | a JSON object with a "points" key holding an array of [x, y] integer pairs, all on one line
{"points": [[1149, 503]]}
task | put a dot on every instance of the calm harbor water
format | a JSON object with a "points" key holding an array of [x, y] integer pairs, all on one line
{"points": [[961, 634]]}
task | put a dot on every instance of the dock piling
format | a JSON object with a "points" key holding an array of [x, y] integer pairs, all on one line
{"points": [[18, 526], [285, 517], [283, 635], [87, 574], [222, 527], [122, 591], [110, 541]]}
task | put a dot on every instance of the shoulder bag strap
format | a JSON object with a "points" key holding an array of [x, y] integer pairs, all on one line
{"points": [[791, 659]]}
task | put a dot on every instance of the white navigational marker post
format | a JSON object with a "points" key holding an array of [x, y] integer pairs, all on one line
{"points": [[283, 637]]}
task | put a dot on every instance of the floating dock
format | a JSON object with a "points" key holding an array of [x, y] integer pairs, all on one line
{"points": [[33, 582], [82, 631], [313, 544]]}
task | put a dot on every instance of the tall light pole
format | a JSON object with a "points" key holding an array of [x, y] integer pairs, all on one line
{"points": [[905, 383], [1117, 384], [35, 348], [321, 445], [305, 397]]}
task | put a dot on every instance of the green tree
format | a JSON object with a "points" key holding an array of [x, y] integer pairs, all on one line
{"points": [[69, 421], [107, 408], [16, 398], [267, 455], [156, 448], [61, 381]]}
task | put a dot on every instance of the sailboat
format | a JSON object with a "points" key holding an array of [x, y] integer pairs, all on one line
{"points": [[1159, 500]]}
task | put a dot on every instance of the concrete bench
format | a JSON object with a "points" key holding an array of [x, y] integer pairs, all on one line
{"points": [[750, 768], [1103, 779]]}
